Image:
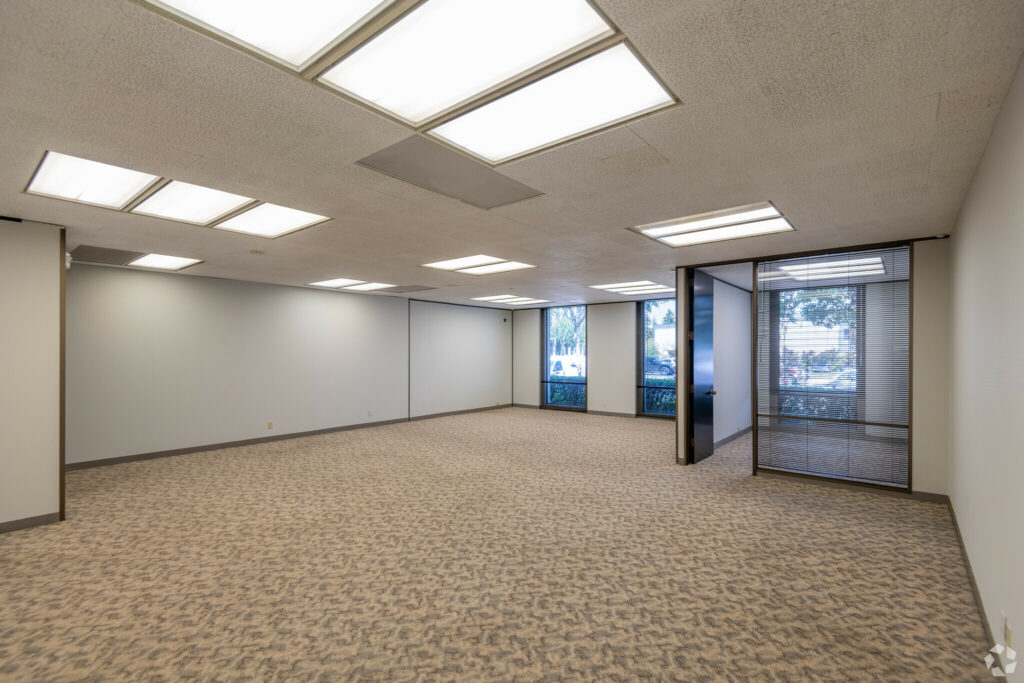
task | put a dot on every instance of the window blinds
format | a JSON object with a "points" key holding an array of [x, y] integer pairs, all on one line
{"points": [[833, 365]]}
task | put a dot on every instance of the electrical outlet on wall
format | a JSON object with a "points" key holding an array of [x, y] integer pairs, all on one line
{"points": [[369, 413], [270, 425]]}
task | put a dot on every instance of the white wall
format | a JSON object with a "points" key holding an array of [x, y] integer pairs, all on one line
{"points": [[986, 457], [31, 261], [930, 363], [732, 360], [161, 361], [526, 357], [611, 358], [460, 358]]}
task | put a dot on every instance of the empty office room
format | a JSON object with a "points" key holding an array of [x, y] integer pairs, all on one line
{"points": [[513, 340]]}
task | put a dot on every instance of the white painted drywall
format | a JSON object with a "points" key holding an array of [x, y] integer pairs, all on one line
{"points": [[732, 360], [526, 357], [611, 358], [30, 265], [986, 456], [460, 358], [930, 398], [159, 361]]}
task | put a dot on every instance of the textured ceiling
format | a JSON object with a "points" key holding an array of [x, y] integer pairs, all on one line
{"points": [[863, 121]]}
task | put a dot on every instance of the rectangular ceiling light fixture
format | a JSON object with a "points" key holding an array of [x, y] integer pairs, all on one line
{"points": [[336, 283], [271, 220], [464, 262], [633, 288], [189, 203], [367, 287], [66, 177], [646, 290], [623, 285], [502, 267], [478, 265], [293, 33], [844, 274], [731, 232], [163, 262], [728, 224], [511, 300], [712, 219], [526, 302], [601, 90], [872, 262], [825, 270], [446, 52]]}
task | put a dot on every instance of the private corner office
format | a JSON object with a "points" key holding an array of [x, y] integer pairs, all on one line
{"points": [[511, 340]]}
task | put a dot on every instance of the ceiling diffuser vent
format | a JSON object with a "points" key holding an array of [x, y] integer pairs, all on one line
{"points": [[111, 257], [434, 167]]}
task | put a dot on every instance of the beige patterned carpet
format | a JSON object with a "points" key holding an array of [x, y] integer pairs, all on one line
{"points": [[512, 544]]}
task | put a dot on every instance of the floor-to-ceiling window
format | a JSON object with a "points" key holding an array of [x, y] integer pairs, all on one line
{"points": [[656, 375], [564, 373], [833, 365]]}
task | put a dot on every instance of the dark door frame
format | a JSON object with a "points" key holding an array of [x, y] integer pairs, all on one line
{"points": [[686, 330]]}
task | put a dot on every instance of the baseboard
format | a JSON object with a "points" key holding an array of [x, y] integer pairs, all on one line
{"points": [[719, 444], [459, 412], [926, 497], [29, 522], [526, 405], [970, 574], [820, 480], [227, 444], [609, 413], [263, 439]]}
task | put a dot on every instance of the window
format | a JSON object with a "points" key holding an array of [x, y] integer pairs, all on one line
{"points": [[833, 370], [656, 380], [564, 375]]}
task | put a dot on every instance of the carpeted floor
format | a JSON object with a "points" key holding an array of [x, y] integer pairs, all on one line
{"points": [[512, 544]]}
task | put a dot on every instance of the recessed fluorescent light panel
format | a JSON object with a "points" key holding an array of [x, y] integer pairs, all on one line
{"points": [[163, 262], [646, 290], [446, 52], [478, 265], [526, 302], [271, 220], [827, 270], [713, 219], [869, 263], [497, 297], [495, 268], [622, 285], [464, 262], [292, 32], [368, 287], [190, 203], [715, 226], [634, 288], [66, 177], [336, 283], [599, 91]]}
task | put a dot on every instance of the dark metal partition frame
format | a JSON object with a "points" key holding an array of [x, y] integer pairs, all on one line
{"points": [[686, 329], [640, 363], [544, 379], [910, 370]]}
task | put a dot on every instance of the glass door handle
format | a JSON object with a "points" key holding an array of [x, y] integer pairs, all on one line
{"points": [[710, 392]]}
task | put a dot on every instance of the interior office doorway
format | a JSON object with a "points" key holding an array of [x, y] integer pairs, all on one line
{"points": [[828, 363], [718, 353]]}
